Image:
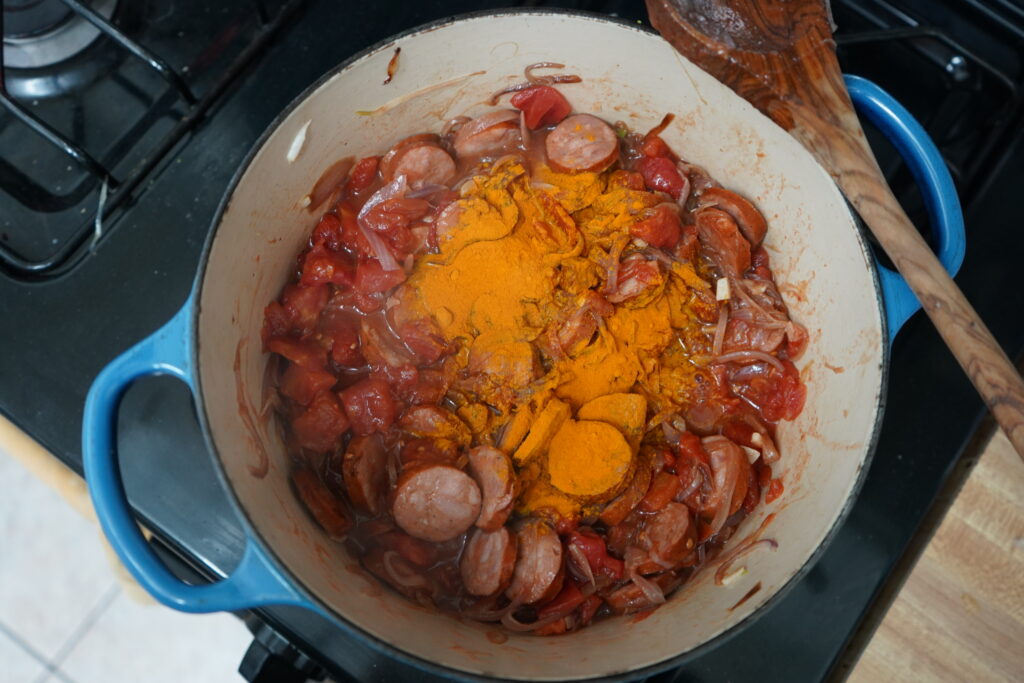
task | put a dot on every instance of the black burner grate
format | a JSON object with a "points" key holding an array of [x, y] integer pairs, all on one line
{"points": [[78, 139]]}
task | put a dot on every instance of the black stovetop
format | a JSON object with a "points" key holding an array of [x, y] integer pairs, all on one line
{"points": [[956, 69]]}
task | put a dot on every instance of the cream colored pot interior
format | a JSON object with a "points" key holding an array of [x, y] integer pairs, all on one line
{"points": [[628, 75]]}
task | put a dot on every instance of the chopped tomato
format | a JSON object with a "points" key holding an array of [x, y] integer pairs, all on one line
{"points": [[589, 609], [759, 259], [363, 174], [690, 446], [352, 238], [320, 428], [568, 599], [654, 146], [328, 232], [369, 405], [394, 215], [304, 352], [596, 552], [424, 339], [371, 278], [320, 266], [635, 275], [304, 304], [631, 180], [664, 487], [686, 248], [778, 395], [661, 228], [541, 105], [303, 384], [662, 175], [775, 489], [343, 336], [555, 628], [430, 387], [277, 322]]}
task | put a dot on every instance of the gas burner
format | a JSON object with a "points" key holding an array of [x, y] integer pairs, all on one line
{"points": [[41, 33]]}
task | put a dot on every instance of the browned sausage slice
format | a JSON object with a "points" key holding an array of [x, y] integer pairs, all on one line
{"points": [[488, 561], [630, 598], [492, 133], [667, 538], [435, 502], [538, 574], [366, 474], [582, 143], [721, 239], [420, 159], [493, 471], [327, 510], [750, 221], [617, 510]]}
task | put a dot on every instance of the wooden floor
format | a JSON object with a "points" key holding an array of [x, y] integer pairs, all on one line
{"points": [[960, 615]]}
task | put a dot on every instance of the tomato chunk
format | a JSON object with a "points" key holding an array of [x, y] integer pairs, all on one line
{"points": [[778, 395], [363, 174], [541, 105], [424, 339], [304, 352], [662, 175], [371, 278], [369, 405], [320, 266], [328, 232], [320, 428], [596, 552], [303, 384], [304, 304], [568, 599], [660, 229], [343, 335]]}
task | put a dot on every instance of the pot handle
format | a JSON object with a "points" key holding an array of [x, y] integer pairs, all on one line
{"points": [[168, 351], [933, 180]]}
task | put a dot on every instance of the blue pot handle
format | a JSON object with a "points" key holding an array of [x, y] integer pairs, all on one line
{"points": [[933, 180], [256, 580]]}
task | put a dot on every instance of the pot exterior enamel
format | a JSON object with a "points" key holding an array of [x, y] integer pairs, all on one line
{"points": [[628, 74]]}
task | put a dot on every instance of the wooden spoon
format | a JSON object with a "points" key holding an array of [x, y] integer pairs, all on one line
{"points": [[779, 55]]}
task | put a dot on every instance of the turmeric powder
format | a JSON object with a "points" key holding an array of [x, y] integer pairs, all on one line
{"points": [[518, 283]]}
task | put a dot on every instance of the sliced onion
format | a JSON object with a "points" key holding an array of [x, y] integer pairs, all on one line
{"points": [[742, 549], [524, 131], [768, 450], [651, 590], [396, 188], [426, 190], [745, 357], [512, 624], [580, 566], [723, 320], [401, 577], [723, 490]]}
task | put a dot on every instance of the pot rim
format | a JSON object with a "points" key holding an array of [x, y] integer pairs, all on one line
{"points": [[340, 620]]}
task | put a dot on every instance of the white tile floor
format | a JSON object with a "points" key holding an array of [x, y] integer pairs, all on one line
{"points": [[65, 617]]}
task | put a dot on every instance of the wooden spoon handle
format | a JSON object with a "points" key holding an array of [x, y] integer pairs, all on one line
{"points": [[779, 55], [977, 351]]}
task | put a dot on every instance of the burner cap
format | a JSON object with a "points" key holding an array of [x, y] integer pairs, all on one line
{"points": [[40, 33]]}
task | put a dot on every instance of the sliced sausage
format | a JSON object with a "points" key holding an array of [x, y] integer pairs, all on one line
{"points": [[667, 538], [749, 220], [488, 561], [487, 135], [366, 473], [721, 239], [327, 510], [493, 471], [435, 502], [582, 143], [617, 510], [539, 571], [630, 598], [421, 160], [435, 423], [421, 451]]}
